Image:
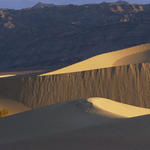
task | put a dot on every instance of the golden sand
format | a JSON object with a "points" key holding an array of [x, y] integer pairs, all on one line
{"points": [[7, 75], [133, 55], [124, 110]]}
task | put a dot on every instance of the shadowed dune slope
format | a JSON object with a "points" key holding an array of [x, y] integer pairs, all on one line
{"points": [[128, 84], [73, 125], [54, 119], [133, 55]]}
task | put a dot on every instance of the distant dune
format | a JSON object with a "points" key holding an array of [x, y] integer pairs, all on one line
{"points": [[22, 73], [12, 106], [133, 55], [6, 75], [74, 125]]}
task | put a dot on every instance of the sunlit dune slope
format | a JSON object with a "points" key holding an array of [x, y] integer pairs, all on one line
{"points": [[127, 84], [12, 106], [133, 55], [54, 119], [75, 125], [117, 108], [6, 75], [23, 73]]}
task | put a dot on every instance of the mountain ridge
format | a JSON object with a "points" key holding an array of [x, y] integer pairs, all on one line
{"points": [[21, 4], [54, 37]]}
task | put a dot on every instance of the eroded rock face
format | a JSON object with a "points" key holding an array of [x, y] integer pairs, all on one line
{"points": [[128, 84], [9, 25], [7, 20], [2, 14], [127, 8]]}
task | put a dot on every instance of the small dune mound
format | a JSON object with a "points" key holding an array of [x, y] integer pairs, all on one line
{"points": [[117, 108], [6, 75], [133, 55], [11, 107]]}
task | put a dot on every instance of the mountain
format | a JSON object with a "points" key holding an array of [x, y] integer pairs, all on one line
{"points": [[60, 35], [19, 4], [42, 5]]}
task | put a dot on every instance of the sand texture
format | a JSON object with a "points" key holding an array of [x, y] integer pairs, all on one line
{"points": [[54, 119], [95, 123], [116, 108], [129, 84], [6, 75], [133, 55], [74, 125]]}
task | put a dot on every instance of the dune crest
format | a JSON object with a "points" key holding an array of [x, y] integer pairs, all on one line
{"points": [[124, 110], [109, 60], [7, 75]]}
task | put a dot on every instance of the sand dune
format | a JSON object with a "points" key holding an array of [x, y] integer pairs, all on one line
{"points": [[51, 120], [23, 73], [131, 83], [133, 55], [95, 123], [12, 106], [127, 84], [74, 125], [117, 108], [7, 75]]}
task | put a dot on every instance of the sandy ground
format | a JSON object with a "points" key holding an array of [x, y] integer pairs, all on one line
{"points": [[117, 108], [133, 55], [22, 73], [12, 106], [7, 75], [75, 125]]}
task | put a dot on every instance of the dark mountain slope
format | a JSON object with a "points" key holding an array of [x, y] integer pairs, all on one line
{"points": [[54, 36]]}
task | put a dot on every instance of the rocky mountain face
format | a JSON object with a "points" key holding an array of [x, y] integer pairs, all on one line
{"points": [[52, 36], [128, 84]]}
